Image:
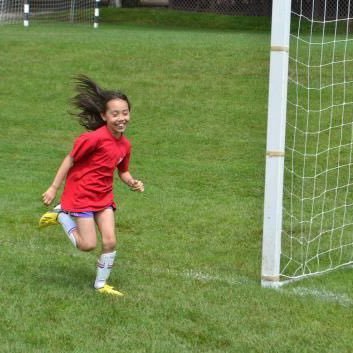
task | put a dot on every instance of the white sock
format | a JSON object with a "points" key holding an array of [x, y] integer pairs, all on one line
{"points": [[104, 267], [69, 226]]}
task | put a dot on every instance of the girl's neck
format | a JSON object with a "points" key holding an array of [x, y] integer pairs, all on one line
{"points": [[115, 134]]}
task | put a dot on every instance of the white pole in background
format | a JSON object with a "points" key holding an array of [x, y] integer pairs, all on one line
{"points": [[96, 14], [72, 11], [2, 11], [26, 13], [276, 123]]}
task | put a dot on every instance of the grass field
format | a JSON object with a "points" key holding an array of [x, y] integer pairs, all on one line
{"points": [[190, 246]]}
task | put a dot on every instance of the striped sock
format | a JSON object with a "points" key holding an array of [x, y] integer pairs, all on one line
{"points": [[104, 267], [69, 226]]}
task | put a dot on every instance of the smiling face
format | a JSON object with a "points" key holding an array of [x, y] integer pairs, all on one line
{"points": [[117, 116]]}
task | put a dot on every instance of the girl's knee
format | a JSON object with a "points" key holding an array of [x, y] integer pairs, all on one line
{"points": [[85, 234], [109, 244], [87, 246]]}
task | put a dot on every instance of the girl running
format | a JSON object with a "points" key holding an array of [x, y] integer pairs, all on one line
{"points": [[88, 171]]}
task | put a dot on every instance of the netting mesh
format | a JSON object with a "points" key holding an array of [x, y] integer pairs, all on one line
{"points": [[75, 11], [12, 10], [321, 9], [310, 8], [318, 186], [229, 7]]}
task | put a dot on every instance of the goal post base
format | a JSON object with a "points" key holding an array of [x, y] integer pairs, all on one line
{"points": [[270, 282]]}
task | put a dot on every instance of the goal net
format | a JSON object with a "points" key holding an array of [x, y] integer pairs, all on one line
{"points": [[316, 233], [74, 11]]}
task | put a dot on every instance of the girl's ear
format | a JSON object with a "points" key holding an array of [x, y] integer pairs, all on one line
{"points": [[103, 117]]}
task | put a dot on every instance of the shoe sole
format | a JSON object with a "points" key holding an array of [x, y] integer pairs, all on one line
{"points": [[47, 220]]}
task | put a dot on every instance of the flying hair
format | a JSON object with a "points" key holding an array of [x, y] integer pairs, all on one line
{"points": [[91, 101]]}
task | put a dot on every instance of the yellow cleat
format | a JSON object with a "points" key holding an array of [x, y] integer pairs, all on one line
{"points": [[109, 290], [49, 218]]}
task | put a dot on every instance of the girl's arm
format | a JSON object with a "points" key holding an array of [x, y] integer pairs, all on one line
{"points": [[60, 176], [135, 185]]}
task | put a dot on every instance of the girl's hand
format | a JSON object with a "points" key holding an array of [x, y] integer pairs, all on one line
{"points": [[137, 185], [49, 195]]}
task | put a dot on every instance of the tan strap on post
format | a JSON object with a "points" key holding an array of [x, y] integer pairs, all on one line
{"points": [[279, 48], [274, 154]]}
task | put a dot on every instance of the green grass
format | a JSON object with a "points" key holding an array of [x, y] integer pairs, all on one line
{"points": [[190, 246]]}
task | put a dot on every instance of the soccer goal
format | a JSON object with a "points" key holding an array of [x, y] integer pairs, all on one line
{"points": [[72, 11], [308, 207]]}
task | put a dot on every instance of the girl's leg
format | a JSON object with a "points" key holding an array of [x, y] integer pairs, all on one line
{"points": [[85, 233], [68, 224], [81, 231], [106, 224]]}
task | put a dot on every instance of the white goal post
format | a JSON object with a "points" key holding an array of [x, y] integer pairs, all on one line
{"points": [[71, 11], [277, 102], [308, 205]]}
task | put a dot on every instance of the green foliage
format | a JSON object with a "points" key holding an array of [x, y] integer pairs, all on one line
{"points": [[189, 247], [182, 19]]}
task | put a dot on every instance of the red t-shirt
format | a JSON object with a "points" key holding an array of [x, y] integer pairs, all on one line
{"points": [[89, 182]]}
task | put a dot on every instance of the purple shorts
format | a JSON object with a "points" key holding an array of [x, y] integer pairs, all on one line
{"points": [[86, 214]]}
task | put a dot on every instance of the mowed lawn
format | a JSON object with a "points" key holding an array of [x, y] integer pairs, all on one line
{"points": [[189, 252]]}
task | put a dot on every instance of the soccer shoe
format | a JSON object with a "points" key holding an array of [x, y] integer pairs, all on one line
{"points": [[109, 290], [49, 218]]}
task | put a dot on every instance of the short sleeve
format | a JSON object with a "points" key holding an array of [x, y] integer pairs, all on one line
{"points": [[84, 145], [123, 166]]}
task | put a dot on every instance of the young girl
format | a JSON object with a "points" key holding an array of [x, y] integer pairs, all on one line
{"points": [[88, 170]]}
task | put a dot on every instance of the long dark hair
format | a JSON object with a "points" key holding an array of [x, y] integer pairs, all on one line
{"points": [[91, 101]]}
